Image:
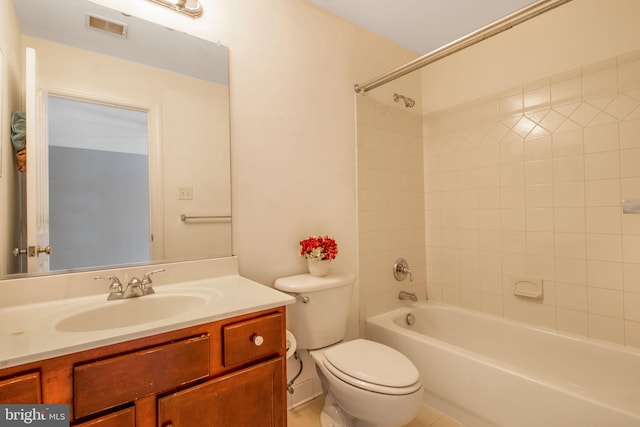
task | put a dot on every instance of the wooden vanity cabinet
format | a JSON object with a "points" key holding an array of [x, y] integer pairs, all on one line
{"points": [[228, 373]]}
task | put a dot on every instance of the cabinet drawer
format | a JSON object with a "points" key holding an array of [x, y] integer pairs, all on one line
{"points": [[21, 389], [111, 382], [252, 339], [123, 418]]}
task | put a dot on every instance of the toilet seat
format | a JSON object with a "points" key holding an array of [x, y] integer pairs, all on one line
{"points": [[372, 366]]}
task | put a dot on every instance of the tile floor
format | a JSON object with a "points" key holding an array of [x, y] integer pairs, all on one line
{"points": [[308, 415]]}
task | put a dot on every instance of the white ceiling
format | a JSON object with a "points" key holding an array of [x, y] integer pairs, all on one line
{"points": [[422, 25]]}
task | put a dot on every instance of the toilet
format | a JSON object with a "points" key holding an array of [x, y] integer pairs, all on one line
{"points": [[366, 384]]}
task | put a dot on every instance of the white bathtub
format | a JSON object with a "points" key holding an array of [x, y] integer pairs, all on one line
{"points": [[488, 371]]}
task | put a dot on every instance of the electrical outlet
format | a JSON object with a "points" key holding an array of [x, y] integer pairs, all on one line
{"points": [[185, 193]]}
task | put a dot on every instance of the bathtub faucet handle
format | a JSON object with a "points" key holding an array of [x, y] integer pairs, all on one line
{"points": [[401, 270]]}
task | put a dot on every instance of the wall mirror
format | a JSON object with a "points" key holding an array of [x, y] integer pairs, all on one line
{"points": [[91, 56]]}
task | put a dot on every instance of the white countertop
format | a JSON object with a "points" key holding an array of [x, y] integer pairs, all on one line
{"points": [[28, 332]]}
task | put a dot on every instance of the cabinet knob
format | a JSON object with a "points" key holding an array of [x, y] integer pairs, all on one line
{"points": [[257, 340]]}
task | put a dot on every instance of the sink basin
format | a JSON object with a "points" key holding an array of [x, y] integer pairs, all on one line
{"points": [[129, 312]]}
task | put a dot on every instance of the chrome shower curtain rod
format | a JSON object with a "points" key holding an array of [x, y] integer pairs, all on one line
{"points": [[503, 24]]}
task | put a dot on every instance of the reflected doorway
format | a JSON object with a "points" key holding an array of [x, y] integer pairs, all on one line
{"points": [[98, 184]]}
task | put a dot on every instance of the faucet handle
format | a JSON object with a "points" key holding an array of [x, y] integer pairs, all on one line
{"points": [[401, 269], [146, 281], [115, 287]]}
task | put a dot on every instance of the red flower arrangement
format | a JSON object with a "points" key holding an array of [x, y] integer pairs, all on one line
{"points": [[319, 248]]}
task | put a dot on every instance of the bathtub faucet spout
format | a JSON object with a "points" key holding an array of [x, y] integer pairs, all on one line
{"points": [[407, 296]]}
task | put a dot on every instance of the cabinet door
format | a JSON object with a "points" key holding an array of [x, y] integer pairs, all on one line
{"points": [[252, 397], [21, 389], [123, 418]]}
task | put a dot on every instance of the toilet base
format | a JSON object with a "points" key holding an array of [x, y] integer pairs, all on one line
{"points": [[332, 415]]}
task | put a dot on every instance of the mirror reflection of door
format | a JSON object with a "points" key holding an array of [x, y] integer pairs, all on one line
{"points": [[98, 184], [36, 192]]}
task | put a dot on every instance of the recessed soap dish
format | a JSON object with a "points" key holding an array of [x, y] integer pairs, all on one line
{"points": [[529, 288]]}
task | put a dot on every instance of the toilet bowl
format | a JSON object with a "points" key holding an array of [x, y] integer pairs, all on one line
{"points": [[367, 385]]}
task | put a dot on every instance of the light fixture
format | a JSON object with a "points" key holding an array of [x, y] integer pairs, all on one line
{"points": [[191, 8]]}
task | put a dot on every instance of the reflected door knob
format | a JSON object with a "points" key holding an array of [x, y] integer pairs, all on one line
{"points": [[45, 250], [32, 251], [17, 252]]}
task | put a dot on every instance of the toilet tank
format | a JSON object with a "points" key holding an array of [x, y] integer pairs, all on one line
{"points": [[322, 320]]}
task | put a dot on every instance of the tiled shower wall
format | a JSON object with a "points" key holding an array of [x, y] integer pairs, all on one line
{"points": [[529, 183], [390, 204]]}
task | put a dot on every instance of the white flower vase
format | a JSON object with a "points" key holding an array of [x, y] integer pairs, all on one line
{"points": [[318, 268]]}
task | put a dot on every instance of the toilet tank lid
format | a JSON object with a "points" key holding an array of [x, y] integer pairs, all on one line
{"points": [[307, 283]]}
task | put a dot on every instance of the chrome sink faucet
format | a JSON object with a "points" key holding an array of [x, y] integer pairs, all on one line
{"points": [[135, 287]]}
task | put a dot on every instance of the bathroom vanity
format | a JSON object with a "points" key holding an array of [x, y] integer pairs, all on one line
{"points": [[220, 363]]}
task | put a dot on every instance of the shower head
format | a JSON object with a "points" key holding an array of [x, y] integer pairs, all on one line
{"points": [[408, 102]]}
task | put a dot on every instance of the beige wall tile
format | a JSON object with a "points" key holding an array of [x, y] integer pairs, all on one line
{"points": [[632, 306], [602, 165], [607, 275], [629, 72], [571, 296], [604, 247], [570, 245], [605, 302], [539, 219], [603, 192], [606, 328], [630, 163], [600, 79], [489, 198], [604, 220], [631, 249], [539, 172], [631, 277], [567, 144], [573, 321], [568, 169], [569, 194], [632, 333], [571, 270], [630, 134], [569, 220], [537, 148], [601, 138]]}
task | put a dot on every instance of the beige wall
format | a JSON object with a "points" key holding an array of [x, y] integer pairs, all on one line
{"points": [[10, 100], [529, 179]]}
